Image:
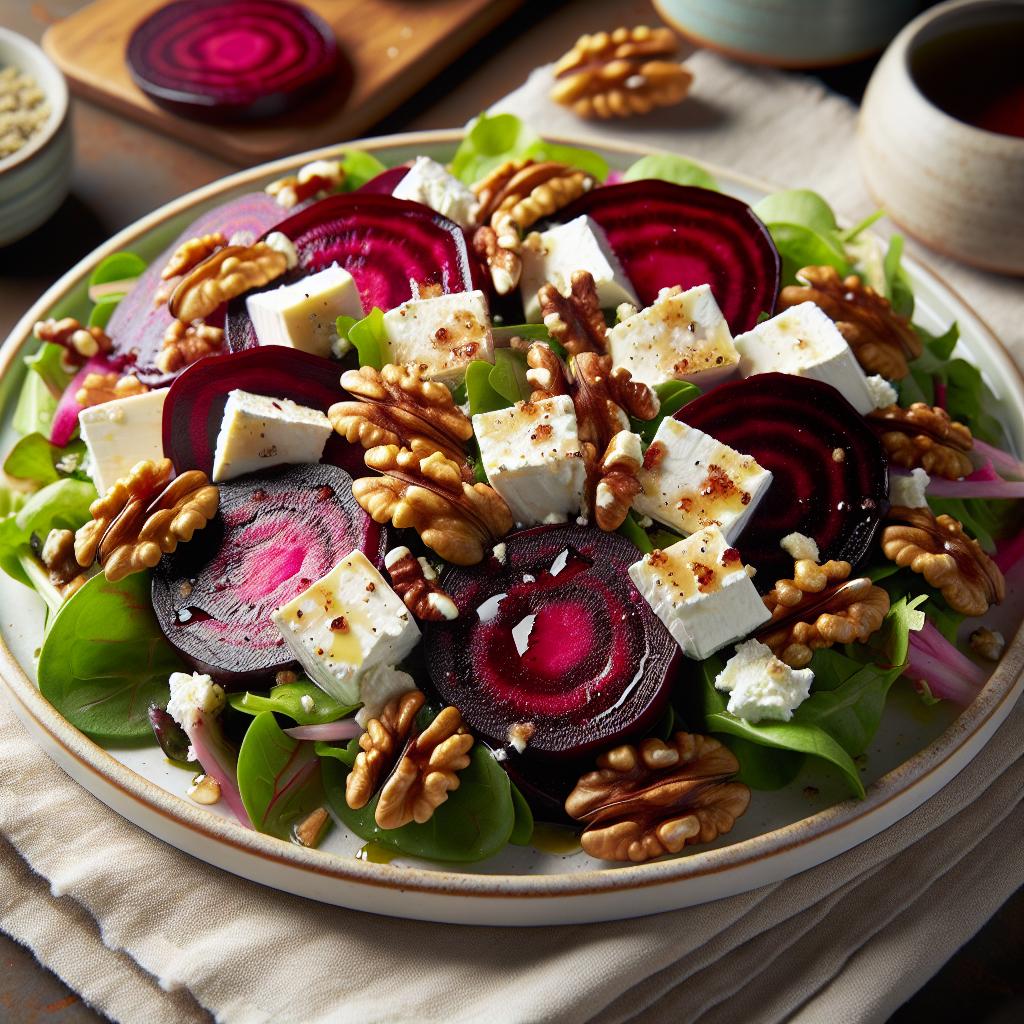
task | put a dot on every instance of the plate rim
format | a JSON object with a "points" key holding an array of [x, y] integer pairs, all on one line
{"points": [[950, 751]]}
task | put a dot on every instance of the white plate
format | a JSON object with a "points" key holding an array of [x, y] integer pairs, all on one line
{"points": [[916, 751]]}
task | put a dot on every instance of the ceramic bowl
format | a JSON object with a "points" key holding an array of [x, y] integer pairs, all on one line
{"points": [[956, 188], [789, 33], [35, 180]]}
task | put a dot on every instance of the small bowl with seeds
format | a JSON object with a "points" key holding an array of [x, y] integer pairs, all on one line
{"points": [[35, 137]]}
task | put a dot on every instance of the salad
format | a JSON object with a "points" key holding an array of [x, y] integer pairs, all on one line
{"points": [[425, 502]]}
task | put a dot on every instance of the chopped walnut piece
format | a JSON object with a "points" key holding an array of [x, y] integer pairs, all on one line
{"points": [[313, 180], [881, 340], [415, 582], [618, 482], [58, 557], [229, 272], [648, 800], [311, 829], [505, 264], [98, 388], [183, 344], [426, 773], [458, 520], [381, 744], [926, 437], [546, 373], [820, 606], [952, 562], [82, 342], [192, 252], [575, 320]]}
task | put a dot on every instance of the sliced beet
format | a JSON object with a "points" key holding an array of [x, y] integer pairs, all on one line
{"points": [[274, 535], [137, 325], [195, 402], [228, 59], [830, 472], [591, 666], [386, 182], [666, 235]]}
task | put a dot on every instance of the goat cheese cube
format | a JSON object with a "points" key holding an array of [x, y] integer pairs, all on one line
{"points": [[690, 480], [258, 432], [377, 687], [532, 456], [121, 433], [345, 625], [679, 336], [427, 182], [803, 341], [441, 334], [909, 490], [760, 686], [555, 255], [303, 315], [701, 591]]}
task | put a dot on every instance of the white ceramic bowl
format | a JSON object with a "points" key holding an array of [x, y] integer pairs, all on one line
{"points": [[956, 188], [35, 180]]}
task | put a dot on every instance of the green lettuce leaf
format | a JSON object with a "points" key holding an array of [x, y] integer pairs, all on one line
{"points": [[668, 167], [367, 336], [359, 168], [35, 460]]}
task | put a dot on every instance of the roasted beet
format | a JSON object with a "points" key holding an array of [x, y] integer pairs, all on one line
{"points": [[665, 234], [386, 182], [830, 476], [275, 534], [229, 59], [195, 403], [553, 643], [137, 325]]}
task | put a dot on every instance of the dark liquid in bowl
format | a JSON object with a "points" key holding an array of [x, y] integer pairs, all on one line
{"points": [[976, 75]]}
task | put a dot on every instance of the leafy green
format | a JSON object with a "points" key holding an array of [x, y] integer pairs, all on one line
{"points": [[286, 699], [668, 167], [522, 829], [48, 362], [800, 206], [36, 406], [528, 332], [104, 660], [508, 377], [346, 754], [804, 230], [633, 531], [34, 459], [279, 778], [673, 395], [104, 310], [480, 394], [898, 289], [586, 160], [120, 266], [359, 168], [368, 337], [852, 234], [764, 767], [800, 247], [985, 519]]}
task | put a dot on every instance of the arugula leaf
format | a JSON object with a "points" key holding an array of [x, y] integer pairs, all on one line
{"points": [[897, 284], [668, 167], [367, 336], [34, 459], [673, 395], [104, 660], [359, 168], [286, 699]]}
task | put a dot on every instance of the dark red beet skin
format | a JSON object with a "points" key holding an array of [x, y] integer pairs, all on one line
{"points": [[666, 235], [228, 59], [795, 427], [194, 406], [591, 666], [386, 182], [275, 534]]}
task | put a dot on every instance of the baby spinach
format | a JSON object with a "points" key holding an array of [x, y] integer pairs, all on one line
{"points": [[38, 461], [522, 829], [668, 167], [279, 778], [104, 660], [633, 531], [367, 336], [763, 767], [480, 393], [359, 168], [287, 699], [673, 395], [346, 754], [508, 376], [117, 268]]}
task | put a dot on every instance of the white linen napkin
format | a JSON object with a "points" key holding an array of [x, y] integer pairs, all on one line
{"points": [[148, 934]]}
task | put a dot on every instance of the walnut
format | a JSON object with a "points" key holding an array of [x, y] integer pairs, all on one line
{"points": [[605, 398], [505, 265], [427, 772], [398, 405], [415, 582], [620, 73], [58, 557], [648, 800], [618, 482], [575, 320], [950, 561], [82, 342], [926, 437], [881, 340], [987, 643], [312, 828], [98, 388], [313, 180], [143, 517], [381, 744], [546, 374], [219, 278], [458, 520], [183, 344], [191, 253], [820, 606]]}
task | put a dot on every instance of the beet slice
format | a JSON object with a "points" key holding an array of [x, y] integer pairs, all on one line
{"points": [[555, 636], [137, 325], [383, 242], [798, 428], [195, 402], [274, 536], [665, 235], [386, 182], [220, 60]]}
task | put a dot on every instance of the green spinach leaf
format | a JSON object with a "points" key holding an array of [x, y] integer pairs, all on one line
{"points": [[287, 699], [522, 829], [673, 395], [359, 168], [508, 376], [668, 167], [763, 767]]}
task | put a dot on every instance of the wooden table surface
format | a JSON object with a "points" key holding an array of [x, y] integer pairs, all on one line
{"points": [[123, 170]]}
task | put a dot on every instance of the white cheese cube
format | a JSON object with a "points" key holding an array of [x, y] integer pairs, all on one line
{"points": [[555, 255], [700, 590], [908, 489], [803, 341], [121, 433], [377, 687], [258, 432], [441, 335], [302, 315], [531, 454], [346, 624], [427, 182], [690, 480], [679, 336], [760, 686]]}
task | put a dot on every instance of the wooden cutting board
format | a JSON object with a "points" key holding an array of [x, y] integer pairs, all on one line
{"points": [[394, 47]]}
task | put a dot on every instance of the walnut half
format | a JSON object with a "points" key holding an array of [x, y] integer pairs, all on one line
{"points": [[924, 436]]}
